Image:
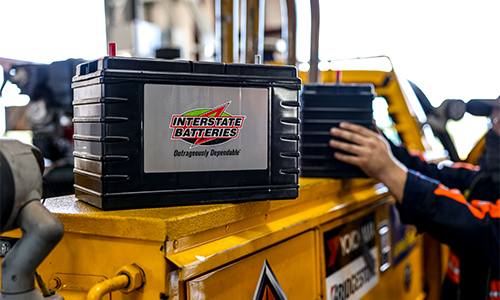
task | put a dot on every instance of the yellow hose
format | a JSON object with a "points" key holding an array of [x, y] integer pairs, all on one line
{"points": [[108, 286], [43, 287]]}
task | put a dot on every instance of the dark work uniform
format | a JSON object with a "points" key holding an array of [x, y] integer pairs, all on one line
{"points": [[436, 204]]}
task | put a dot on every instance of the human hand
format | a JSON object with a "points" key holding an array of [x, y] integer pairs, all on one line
{"points": [[371, 152]]}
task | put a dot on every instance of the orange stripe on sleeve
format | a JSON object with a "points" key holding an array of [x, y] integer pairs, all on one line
{"points": [[465, 166], [418, 154], [495, 290], [454, 194], [488, 207], [478, 208], [453, 270]]}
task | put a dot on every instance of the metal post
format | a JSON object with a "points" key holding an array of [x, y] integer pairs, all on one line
{"points": [[236, 31], [226, 20], [255, 29], [243, 31], [313, 70], [289, 30]]}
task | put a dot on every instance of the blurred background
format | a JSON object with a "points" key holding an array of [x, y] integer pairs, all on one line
{"points": [[448, 48]]}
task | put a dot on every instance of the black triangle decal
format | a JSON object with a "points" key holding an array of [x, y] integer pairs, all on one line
{"points": [[268, 287]]}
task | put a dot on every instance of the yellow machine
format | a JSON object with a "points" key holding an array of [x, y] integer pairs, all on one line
{"points": [[340, 239], [218, 251]]}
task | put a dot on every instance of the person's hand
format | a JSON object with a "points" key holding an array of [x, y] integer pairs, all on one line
{"points": [[371, 152]]}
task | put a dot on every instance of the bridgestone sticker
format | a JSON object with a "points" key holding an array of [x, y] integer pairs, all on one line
{"points": [[203, 128], [351, 259]]}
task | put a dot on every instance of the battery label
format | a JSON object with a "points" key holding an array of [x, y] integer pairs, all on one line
{"points": [[201, 128]]}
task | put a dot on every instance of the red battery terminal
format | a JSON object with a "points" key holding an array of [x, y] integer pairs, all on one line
{"points": [[112, 49], [339, 74]]}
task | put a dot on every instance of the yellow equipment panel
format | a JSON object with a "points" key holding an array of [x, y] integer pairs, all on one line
{"points": [[294, 262], [220, 251]]}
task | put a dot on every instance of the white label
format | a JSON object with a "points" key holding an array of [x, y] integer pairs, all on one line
{"points": [[352, 281], [205, 128]]}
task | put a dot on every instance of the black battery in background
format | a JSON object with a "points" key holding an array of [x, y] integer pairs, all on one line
{"points": [[326, 106], [153, 132]]}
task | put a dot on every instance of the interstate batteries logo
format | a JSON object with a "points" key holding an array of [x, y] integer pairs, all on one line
{"points": [[206, 127]]}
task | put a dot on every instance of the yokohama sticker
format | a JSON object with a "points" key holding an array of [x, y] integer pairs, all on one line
{"points": [[206, 127], [350, 256]]}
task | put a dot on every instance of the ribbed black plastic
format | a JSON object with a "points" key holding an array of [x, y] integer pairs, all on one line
{"points": [[324, 107], [8, 193], [108, 123]]}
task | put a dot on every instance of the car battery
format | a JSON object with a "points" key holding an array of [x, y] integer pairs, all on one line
{"points": [[324, 107], [152, 133]]}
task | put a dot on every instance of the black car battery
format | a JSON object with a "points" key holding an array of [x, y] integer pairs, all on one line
{"points": [[152, 133], [326, 106]]}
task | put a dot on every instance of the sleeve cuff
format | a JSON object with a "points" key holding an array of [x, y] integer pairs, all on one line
{"points": [[418, 198]]}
